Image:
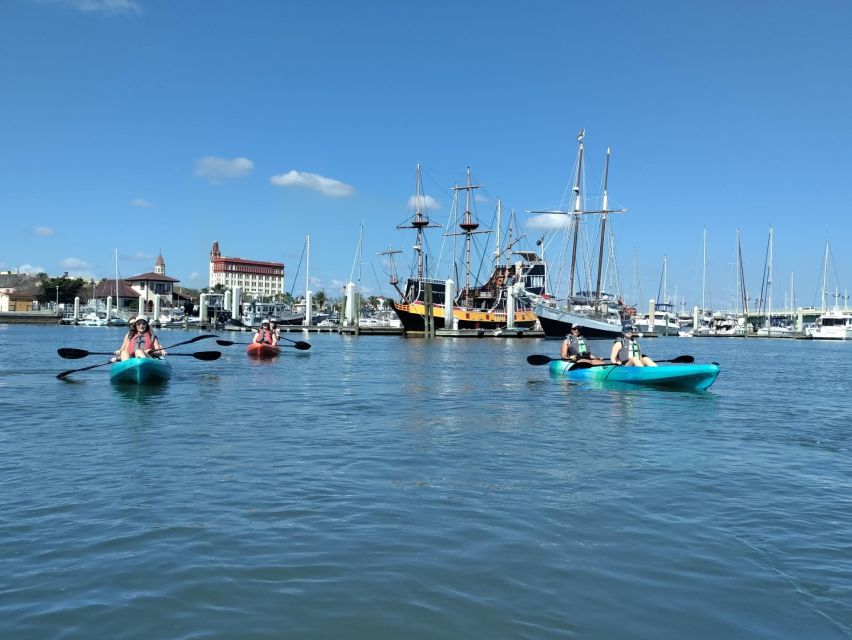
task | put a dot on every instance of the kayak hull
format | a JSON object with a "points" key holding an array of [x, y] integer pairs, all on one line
{"points": [[257, 350], [682, 376], [140, 371]]}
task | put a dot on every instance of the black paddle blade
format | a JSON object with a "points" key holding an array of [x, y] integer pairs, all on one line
{"points": [[72, 354], [683, 359], [225, 343], [537, 359], [304, 346]]}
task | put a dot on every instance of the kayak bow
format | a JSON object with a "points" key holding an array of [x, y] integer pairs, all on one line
{"points": [[140, 371]]}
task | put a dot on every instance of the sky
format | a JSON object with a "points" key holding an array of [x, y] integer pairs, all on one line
{"points": [[138, 127]]}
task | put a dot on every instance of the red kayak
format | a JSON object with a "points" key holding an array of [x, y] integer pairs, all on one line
{"points": [[257, 350]]}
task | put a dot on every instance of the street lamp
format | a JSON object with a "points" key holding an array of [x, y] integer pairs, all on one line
{"points": [[57, 297]]}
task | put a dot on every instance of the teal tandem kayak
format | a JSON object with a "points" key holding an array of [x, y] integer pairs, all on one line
{"points": [[140, 371], [683, 376]]}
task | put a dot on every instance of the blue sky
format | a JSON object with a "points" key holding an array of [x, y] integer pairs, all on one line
{"points": [[151, 125]]}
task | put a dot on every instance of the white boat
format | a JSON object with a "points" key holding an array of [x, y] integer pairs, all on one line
{"points": [[665, 322], [92, 319], [832, 325], [256, 312], [599, 314]]}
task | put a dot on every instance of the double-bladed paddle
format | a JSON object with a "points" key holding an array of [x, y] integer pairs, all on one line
{"points": [[537, 359], [297, 344], [75, 354]]}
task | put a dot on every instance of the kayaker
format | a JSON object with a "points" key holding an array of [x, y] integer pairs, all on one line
{"points": [[273, 327], [140, 342], [574, 348], [265, 335], [626, 351]]}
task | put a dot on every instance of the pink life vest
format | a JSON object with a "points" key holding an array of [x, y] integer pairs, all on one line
{"points": [[133, 341], [264, 336]]}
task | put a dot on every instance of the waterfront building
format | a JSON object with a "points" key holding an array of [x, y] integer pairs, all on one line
{"points": [[154, 283], [255, 278]]}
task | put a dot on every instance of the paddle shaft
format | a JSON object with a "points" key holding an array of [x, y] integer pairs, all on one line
{"points": [[297, 344], [537, 359]]}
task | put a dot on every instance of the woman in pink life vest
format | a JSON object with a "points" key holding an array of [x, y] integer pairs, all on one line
{"points": [[140, 342], [265, 335]]}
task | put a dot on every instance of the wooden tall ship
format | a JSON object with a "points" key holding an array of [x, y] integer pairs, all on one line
{"points": [[474, 306]]}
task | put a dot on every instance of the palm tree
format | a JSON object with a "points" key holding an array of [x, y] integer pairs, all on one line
{"points": [[319, 299]]}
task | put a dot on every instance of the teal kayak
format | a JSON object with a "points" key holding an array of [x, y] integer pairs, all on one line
{"points": [[140, 371], [683, 376]]}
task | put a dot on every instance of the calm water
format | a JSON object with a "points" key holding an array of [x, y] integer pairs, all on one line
{"points": [[378, 487]]}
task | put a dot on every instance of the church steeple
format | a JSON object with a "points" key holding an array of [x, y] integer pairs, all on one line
{"points": [[215, 252], [160, 265]]}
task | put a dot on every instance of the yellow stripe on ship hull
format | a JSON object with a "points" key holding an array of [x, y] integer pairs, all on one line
{"points": [[468, 315]]}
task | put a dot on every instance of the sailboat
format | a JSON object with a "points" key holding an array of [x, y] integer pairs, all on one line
{"points": [[772, 326], [835, 323], [665, 321], [598, 312], [495, 304]]}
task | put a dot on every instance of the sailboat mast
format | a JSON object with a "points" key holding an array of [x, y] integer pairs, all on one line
{"points": [[741, 276], [704, 272], [308, 266], [824, 277], [578, 208], [769, 284], [604, 207]]}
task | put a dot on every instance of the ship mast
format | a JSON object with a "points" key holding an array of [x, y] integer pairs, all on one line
{"points": [[468, 226], [578, 209], [420, 222], [604, 203]]}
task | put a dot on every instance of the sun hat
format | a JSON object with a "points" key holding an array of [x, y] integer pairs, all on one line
{"points": [[139, 318]]}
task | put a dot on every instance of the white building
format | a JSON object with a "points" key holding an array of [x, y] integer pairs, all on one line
{"points": [[255, 279]]}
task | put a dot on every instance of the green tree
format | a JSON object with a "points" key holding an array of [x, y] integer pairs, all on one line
{"points": [[320, 299], [63, 288]]}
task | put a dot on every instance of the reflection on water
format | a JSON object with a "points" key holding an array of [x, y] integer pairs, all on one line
{"points": [[141, 393]]}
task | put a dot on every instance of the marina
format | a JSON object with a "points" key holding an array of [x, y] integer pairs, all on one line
{"points": [[400, 479]]}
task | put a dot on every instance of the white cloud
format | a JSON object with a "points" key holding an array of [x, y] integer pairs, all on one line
{"points": [[478, 197], [99, 6], [327, 186], [548, 221], [218, 169], [28, 268], [141, 203], [73, 264], [194, 275], [427, 203], [43, 232]]}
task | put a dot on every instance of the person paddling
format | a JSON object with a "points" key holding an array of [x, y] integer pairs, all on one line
{"points": [[626, 351], [574, 348], [265, 335], [140, 342], [273, 327]]}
